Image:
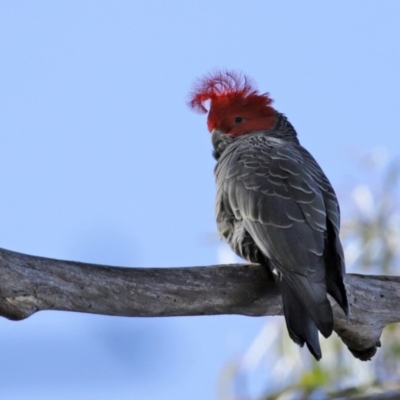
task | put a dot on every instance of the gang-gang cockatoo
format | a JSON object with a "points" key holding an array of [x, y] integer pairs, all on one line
{"points": [[274, 204]]}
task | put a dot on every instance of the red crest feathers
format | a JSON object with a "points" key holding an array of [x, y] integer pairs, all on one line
{"points": [[220, 84]]}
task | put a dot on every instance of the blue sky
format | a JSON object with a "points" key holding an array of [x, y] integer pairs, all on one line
{"points": [[101, 161]]}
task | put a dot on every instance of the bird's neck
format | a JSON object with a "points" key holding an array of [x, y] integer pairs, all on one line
{"points": [[283, 129]]}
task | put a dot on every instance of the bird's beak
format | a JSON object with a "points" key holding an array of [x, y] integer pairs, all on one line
{"points": [[217, 133]]}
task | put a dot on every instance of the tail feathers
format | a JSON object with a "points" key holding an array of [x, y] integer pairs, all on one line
{"points": [[307, 310], [302, 329], [312, 295]]}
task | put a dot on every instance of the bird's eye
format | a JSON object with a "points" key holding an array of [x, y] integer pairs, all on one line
{"points": [[238, 120]]}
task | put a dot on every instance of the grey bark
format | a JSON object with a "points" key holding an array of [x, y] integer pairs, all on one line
{"points": [[29, 284]]}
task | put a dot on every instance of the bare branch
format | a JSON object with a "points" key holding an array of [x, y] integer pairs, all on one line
{"points": [[29, 284]]}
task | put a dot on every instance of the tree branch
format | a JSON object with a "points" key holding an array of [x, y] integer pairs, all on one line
{"points": [[29, 284]]}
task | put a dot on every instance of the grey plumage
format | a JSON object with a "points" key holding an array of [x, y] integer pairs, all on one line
{"points": [[276, 207]]}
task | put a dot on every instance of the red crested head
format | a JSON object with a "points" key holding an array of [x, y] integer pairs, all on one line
{"points": [[236, 106]]}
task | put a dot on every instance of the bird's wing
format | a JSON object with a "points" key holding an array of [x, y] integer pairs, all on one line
{"points": [[277, 193]]}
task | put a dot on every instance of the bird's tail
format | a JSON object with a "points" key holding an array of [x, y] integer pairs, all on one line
{"points": [[307, 310]]}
